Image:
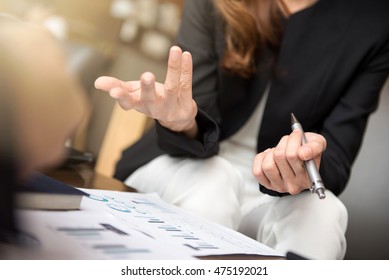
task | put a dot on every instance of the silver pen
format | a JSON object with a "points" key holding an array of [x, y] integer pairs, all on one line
{"points": [[310, 166]]}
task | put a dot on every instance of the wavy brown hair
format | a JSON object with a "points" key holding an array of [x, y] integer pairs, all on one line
{"points": [[250, 25]]}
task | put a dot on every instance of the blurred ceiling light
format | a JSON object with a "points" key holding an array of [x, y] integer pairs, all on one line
{"points": [[155, 45], [147, 13], [129, 30], [123, 9], [169, 18], [57, 25]]}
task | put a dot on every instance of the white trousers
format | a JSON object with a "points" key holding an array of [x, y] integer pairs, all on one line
{"points": [[212, 188]]}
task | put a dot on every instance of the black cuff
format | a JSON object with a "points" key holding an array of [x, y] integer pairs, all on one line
{"points": [[203, 146], [271, 192]]}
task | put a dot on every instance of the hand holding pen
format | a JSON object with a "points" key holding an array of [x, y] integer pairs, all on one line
{"points": [[313, 173], [282, 168]]}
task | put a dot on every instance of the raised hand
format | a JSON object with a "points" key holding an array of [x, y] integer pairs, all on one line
{"points": [[171, 103]]}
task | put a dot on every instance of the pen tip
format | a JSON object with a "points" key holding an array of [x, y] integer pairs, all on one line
{"points": [[293, 118]]}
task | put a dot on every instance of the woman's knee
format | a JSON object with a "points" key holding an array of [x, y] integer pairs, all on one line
{"points": [[307, 225], [212, 188], [223, 175]]}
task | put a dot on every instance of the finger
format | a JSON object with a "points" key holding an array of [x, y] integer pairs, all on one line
{"points": [[315, 137], [185, 92], [172, 82], [281, 159], [271, 171], [107, 83], [147, 85], [125, 100], [291, 151], [257, 169], [315, 146]]}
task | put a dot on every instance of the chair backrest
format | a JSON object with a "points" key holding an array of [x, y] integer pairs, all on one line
{"points": [[124, 128]]}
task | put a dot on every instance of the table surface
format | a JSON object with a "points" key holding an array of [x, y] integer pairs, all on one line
{"points": [[83, 176]]}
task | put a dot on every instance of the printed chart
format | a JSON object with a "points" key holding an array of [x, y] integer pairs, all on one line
{"points": [[123, 225]]}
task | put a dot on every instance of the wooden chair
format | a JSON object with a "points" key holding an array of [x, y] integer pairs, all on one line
{"points": [[124, 128]]}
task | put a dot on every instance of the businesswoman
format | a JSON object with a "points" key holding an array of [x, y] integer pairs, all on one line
{"points": [[222, 144]]}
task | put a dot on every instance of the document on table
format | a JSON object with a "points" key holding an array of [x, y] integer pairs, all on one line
{"points": [[123, 225]]}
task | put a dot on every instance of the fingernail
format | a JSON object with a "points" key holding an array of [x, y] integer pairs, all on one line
{"points": [[175, 53], [186, 57], [147, 78]]}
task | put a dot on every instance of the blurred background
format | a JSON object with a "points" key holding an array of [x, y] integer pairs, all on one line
{"points": [[122, 38]]}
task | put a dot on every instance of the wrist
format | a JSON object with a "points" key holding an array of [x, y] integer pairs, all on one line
{"points": [[189, 129]]}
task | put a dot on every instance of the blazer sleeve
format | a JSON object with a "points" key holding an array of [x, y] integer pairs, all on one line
{"points": [[345, 127], [197, 35]]}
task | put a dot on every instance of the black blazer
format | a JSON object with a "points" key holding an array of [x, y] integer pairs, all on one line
{"points": [[332, 64]]}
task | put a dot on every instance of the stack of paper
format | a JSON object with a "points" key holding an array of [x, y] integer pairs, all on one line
{"points": [[123, 225]]}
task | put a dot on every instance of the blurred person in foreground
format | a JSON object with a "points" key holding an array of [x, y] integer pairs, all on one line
{"points": [[222, 145], [41, 105]]}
